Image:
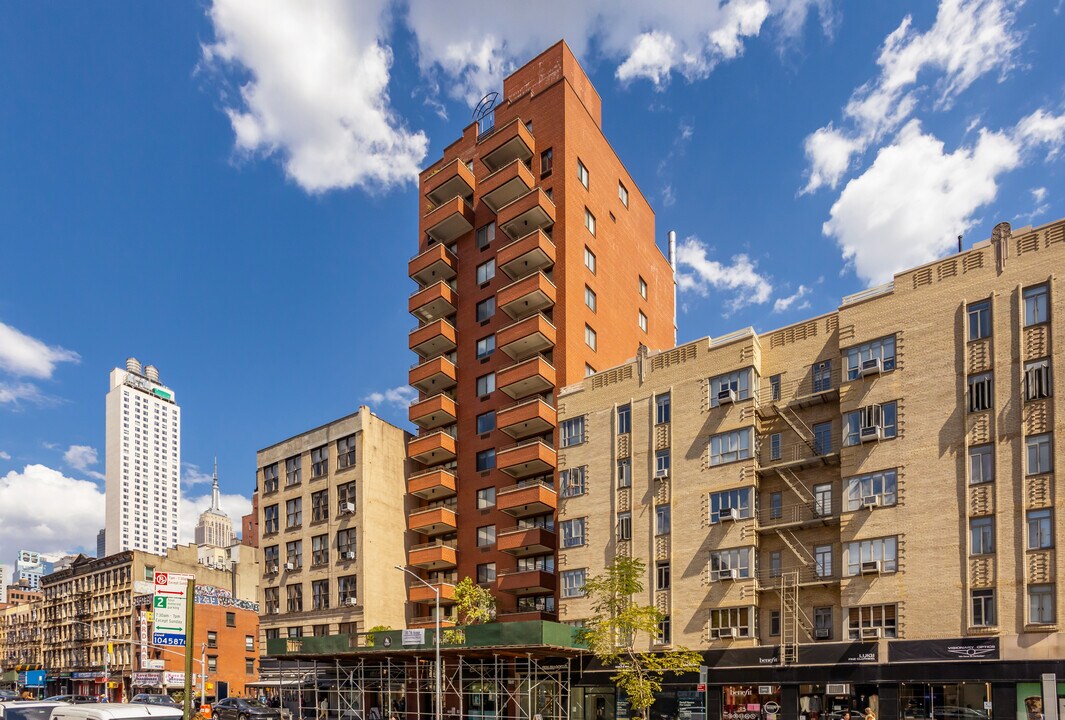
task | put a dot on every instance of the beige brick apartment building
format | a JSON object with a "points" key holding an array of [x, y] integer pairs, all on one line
{"points": [[857, 510]]}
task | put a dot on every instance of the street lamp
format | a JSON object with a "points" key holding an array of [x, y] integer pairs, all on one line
{"points": [[436, 640]]}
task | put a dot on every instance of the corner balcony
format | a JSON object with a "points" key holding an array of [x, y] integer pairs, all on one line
{"points": [[532, 211], [418, 593], [506, 185], [506, 143], [525, 338], [434, 412], [527, 418], [526, 499], [452, 180], [432, 339], [433, 520], [438, 555], [434, 484], [532, 457], [526, 582], [433, 302], [432, 449], [522, 542], [524, 297], [530, 377], [526, 255], [449, 221], [436, 263], [433, 376]]}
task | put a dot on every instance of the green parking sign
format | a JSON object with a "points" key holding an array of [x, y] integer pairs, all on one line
{"points": [[160, 601]]}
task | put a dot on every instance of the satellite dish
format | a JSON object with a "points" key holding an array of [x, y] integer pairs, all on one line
{"points": [[485, 106]]}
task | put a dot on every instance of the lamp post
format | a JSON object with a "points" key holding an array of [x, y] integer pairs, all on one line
{"points": [[436, 641]]}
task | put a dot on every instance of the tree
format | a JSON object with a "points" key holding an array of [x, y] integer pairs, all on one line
{"points": [[371, 634], [473, 604], [619, 623]]}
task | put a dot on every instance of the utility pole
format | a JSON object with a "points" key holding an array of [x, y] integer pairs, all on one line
{"points": [[190, 619]]}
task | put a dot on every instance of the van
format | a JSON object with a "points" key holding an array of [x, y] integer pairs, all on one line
{"points": [[115, 711], [28, 709]]}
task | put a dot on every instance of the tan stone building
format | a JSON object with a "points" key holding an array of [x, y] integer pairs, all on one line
{"points": [[332, 528], [830, 508], [20, 635]]}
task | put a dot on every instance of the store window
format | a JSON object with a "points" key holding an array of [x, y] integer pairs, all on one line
{"points": [[748, 702], [952, 700]]}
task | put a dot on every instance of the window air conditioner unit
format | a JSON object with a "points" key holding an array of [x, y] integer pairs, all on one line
{"points": [[822, 633], [347, 508], [871, 501], [871, 423], [870, 633], [838, 689], [871, 567], [290, 566], [271, 570], [275, 611], [730, 514], [869, 433], [349, 555], [351, 602], [727, 632], [874, 366], [662, 473], [728, 574], [728, 395]]}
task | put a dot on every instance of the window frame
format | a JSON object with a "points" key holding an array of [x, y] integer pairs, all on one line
{"points": [[978, 316], [663, 408], [980, 392], [982, 607], [571, 482], [868, 351], [583, 176], [486, 346], [723, 501], [882, 484], [1040, 308], [485, 309], [570, 538], [985, 453], [623, 193], [571, 432], [740, 446], [1038, 380], [1043, 445], [1039, 529], [878, 550], [573, 582], [486, 271], [982, 536]]}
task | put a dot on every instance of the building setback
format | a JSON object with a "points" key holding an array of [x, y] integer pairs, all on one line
{"points": [[537, 265]]}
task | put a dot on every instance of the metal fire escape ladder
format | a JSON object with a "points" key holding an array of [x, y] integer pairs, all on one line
{"points": [[796, 547], [796, 424], [797, 486], [792, 618]]}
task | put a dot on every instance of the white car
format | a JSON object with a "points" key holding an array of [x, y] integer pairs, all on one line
{"points": [[115, 711], [28, 710]]}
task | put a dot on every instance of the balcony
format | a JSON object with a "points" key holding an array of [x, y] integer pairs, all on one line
{"points": [[506, 185], [526, 499], [808, 576], [452, 180], [432, 339], [794, 457], [527, 418], [525, 338], [433, 484], [814, 386], [433, 376], [432, 449], [505, 144], [433, 520], [436, 263], [529, 377], [522, 542], [526, 255], [439, 555], [434, 412], [526, 582], [419, 593], [433, 302], [532, 457], [532, 211], [524, 297], [449, 221], [798, 516]]}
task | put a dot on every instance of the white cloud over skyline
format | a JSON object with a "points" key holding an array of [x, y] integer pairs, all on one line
{"points": [[400, 396], [82, 458], [739, 281]]}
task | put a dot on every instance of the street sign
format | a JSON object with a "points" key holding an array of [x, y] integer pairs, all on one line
{"points": [[168, 608]]}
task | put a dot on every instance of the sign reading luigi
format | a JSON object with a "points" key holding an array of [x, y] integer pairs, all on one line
{"points": [[168, 608]]}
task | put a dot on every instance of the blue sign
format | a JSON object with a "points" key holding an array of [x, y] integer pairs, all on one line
{"points": [[168, 639], [34, 678]]}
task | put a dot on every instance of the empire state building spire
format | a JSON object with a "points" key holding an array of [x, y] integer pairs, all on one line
{"points": [[215, 528], [216, 494]]}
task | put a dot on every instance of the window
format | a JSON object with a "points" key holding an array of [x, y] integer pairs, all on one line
{"points": [[662, 410], [774, 387], [485, 235], [589, 298], [664, 631], [319, 630], [738, 382], [486, 536], [981, 464], [1037, 380], [573, 431], [662, 461], [624, 419], [346, 540], [582, 173], [271, 596], [294, 554], [270, 519], [1040, 529], [823, 438], [882, 349], [735, 622], [319, 550], [823, 561], [346, 452], [883, 416], [571, 482], [979, 319], [980, 392], [293, 471], [879, 488], [723, 562], [249, 643], [212, 663], [774, 623], [547, 160], [486, 309], [573, 582], [776, 505], [1041, 604], [981, 536], [320, 506], [346, 496], [983, 608], [623, 194], [486, 459], [774, 563], [588, 370], [822, 376], [722, 503], [1035, 305], [271, 557], [573, 532], [643, 288], [876, 617], [822, 623], [625, 473], [642, 320], [486, 384], [486, 346], [294, 513], [625, 526], [486, 572], [1038, 455], [774, 446], [590, 338], [270, 478], [662, 521], [319, 461], [589, 221], [295, 631], [486, 271], [863, 553], [589, 259], [320, 594], [486, 422], [662, 575], [486, 498], [295, 597], [212, 638], [730, 446], [347, 587]]}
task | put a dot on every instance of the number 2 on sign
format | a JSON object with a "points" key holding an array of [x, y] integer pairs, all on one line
{"points": [[160, 602]]}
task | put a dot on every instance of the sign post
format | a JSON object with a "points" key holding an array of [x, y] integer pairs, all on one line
{"points": [[189, 625], [172, 620]]}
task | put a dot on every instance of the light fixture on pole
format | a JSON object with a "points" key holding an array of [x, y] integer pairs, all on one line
{"points": [[436, 640]]}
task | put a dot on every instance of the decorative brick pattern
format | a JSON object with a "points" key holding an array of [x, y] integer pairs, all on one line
{"points": [[1036, 342], [1039, 493], [981, 500], [981, 572], [1041, 566], [979, 354], [1037, 417], [662, 436], [664, 360], [624, 449]]}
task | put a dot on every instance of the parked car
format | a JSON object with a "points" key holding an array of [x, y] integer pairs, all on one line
{"points": [[156, 699], [8, 695], [115, 711], [27, 709], [956, 712], [244, 709]]}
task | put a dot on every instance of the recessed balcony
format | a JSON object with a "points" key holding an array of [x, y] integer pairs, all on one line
{"points": [[533, 211], [434, 484], [433, 302], [432, 449], [433, 520], [522, 542], [527, 337], [526, 255], [439, 555], [436, 263], [452, 180], [434, 412], [433, 376], [526, 582], [529, 377], [433, 339], [449, 221], [527, 499], [529, 295], [505, 144], [506, 185], [527, 418], [419, 593], [526, 459]]}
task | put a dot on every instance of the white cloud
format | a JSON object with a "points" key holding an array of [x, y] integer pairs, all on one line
{"points": [[83, 457], [829, 152], [235, 506], [401, 396], [652, 57], [59, 514], [785, 303], [22, 355], [669, 197], [192, 475], [15, 393], [1039, 194], [740, 279], [4, 455], [1043, 128], [315, 91]]}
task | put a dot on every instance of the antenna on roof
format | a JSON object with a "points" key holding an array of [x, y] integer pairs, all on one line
{"points": [[959, 243]]}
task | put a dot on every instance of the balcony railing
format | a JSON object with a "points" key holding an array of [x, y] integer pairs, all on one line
{"points": [[795, 456], [770, 579], [798, 514], [812, 386]]}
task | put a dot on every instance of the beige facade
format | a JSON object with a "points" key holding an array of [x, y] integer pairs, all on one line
{"points": [[884, 471], [20, 634], [332, 520]]}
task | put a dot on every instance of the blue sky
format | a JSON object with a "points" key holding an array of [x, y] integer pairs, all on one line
{"points": [[227, 189]]}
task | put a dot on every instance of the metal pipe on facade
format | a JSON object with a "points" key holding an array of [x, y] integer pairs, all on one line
{"points": [[673, 266]]}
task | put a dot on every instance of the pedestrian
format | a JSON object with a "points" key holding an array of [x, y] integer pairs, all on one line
{"points": [[869, 714]]}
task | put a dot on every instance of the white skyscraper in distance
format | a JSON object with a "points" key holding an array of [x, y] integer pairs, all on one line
{"points": [[143, 461]]}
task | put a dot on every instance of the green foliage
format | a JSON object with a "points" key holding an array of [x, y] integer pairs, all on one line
{"points": [[619, 624], [453, 636], [372, 633], [473, 604]]}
